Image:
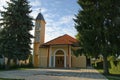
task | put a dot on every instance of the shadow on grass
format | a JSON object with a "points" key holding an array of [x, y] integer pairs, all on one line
{"points": [[9, 79], [111, 76]]}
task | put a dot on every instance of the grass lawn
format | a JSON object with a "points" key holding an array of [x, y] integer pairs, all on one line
{"points": [[114, 74], [9, 79]]}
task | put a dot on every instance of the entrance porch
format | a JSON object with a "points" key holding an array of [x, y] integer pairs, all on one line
{"points": [[60, 57]]}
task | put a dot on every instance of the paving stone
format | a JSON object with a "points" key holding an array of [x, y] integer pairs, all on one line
{"points": [[53, 74]]}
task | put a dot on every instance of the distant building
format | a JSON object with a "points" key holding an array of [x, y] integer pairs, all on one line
{"points": [[2, 60], [57, 53]]}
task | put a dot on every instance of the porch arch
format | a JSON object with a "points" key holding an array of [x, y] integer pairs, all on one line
{"points": [[54, 56]]}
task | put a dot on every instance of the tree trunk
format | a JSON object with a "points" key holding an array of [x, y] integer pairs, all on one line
{"points": [[105, 65], [7, 66]]}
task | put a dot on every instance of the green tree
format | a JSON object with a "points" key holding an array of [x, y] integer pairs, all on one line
{"points": [[16, 23], [98, 28]]}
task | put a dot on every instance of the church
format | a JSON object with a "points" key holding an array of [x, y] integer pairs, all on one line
{"points": [[56, 53]]}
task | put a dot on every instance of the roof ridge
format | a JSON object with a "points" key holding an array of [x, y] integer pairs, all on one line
{"points": [[64, 39], [55, 38], [70, 36]]}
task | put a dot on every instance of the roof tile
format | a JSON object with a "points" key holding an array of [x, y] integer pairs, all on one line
{"points": [[65, 39]]}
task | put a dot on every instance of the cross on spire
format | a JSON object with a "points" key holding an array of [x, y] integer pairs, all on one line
{"points": [[40, 10]]}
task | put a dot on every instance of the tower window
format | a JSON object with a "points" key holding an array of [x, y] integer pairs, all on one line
{"points": [[38, 26], [37, 36], [37, 33]]}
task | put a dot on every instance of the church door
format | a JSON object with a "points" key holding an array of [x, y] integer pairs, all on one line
{"points": [[59, 62]]}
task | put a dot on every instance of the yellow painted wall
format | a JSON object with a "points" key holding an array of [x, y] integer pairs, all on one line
{"points": [[75, 62], [57, 47], [42, 32], [43, 57], [36, 55], [79, 61]]}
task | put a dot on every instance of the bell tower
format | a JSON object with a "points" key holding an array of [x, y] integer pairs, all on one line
{"points": [[39, 37]]}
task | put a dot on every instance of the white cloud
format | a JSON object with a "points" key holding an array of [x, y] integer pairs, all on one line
{"points": [[66, 19], [3, 3], [56, 28], [43, 10], [35, 3], [35, 12]]}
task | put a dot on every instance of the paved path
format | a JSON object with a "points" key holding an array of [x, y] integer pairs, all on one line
{"points": [[53, 74]]}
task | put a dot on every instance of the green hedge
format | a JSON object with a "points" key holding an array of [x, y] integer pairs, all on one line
{"points": [[99, 65]]}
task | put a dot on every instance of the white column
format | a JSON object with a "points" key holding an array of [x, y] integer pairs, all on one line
{"points": [[54, 60], [64, 60], [69, 56], [50, 52]]}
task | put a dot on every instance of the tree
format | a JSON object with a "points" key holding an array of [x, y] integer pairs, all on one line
{"points": [[16, 23], [98, 28]]}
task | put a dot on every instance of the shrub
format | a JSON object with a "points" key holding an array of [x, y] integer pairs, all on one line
{"points": [[100, 65]]}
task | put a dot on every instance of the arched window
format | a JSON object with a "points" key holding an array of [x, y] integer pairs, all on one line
{"points": [[60, 52]]}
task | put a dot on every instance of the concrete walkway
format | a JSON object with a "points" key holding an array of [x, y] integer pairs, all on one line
{"points": [[53, 74]]}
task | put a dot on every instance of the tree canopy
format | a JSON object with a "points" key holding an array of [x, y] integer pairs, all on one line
{"points": [[98, 28], [16, 23]]}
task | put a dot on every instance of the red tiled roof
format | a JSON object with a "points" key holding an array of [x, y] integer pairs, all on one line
{"points": [[65, 39]]}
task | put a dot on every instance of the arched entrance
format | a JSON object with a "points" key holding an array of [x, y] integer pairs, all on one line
{"points": [[59, 59]]}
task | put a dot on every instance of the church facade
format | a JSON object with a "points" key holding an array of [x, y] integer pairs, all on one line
{"points": [[57, 53]]}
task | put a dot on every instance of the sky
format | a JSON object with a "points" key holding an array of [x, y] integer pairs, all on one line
{"points": [[58, 15]]}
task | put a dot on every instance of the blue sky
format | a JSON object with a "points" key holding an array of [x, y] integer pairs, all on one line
{"points": [[58, 15]]}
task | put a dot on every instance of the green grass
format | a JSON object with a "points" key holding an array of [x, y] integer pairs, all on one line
{"points": [[114, 74], [112, 77], [9, 79]]}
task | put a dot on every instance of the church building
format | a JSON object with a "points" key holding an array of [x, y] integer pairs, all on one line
{"points": [[57, 53]]}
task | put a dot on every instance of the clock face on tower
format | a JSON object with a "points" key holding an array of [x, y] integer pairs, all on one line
{"points": [[38, 26]]}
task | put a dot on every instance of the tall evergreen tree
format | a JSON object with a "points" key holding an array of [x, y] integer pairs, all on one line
{"points": [[16, 23], [98, 28]]}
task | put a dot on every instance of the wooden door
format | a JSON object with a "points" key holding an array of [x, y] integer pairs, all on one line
{"points": [[59, 61]]}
